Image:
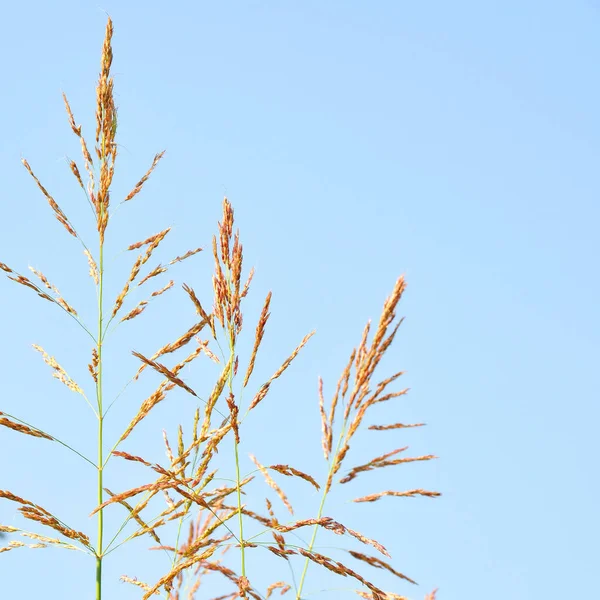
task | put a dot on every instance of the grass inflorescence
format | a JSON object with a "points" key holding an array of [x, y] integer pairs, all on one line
{"points": [[205, 526]]}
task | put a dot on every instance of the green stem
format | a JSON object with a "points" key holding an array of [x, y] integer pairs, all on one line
{"points": [[231, 327], [311, 545], [237, 458], [99, 549], [239, 502]]}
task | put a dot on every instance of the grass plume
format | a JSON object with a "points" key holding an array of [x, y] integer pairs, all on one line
{"points": [[204, 517]]}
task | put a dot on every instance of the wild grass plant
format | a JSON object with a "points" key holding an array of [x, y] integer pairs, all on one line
{"points": [[206, 527]]}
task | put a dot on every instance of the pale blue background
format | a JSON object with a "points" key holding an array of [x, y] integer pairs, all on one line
{"points": [[455, 142]]}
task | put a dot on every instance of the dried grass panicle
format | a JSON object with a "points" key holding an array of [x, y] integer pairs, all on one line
{"points": [[57, 296], [282, 553], [407, 494], [326, 433], [219, 285], [76, 173], [158, 270], [168, 450], [121, 297], [381, 386], [223, 492], [361, 412], [149, 241], [364, 361], [59, 372], [136, 582], [270, 481], [184, 256], [93, 366], [163, 289], [246, 287], [46, 540], [180, 342], [203, 347], [167, 580], [141, 306], [106, 128], [343, 385], [157, 396], [273, 523], [58, 213], [291, 472], [36, 513], [234, 412], [154, 487], [278, 585], [215, 395], [141, 260], [225, 232], [264, 389], [211, 447], [381, 461], [206, 318], [163, 370], [134, 312], [386, 596], [260, 395], [288, 361], [331, 525], [138, 186], [260, 331], [11, 546], [145, 528], [380, 564], [87, 157], [93, 266], [367, 359], [130, 457], [227, 275], [395, 426], [22, 280], [189, 481], [22, 428], [339, 569], [179, 441]]}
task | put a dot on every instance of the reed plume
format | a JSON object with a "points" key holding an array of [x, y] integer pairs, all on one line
{"points": [[209, 520]]}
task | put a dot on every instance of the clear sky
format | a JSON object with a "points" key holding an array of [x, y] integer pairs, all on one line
{"points": [[455, 142]]}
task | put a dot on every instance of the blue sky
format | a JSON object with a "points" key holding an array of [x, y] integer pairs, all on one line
{"points": [[453, 142]]}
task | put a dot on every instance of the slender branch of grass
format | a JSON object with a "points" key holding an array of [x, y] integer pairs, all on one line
{"points": [[54, 439], [87, 196], [116, 445], [90, 405], [114, 400], [78, 321], [110, 548]]}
